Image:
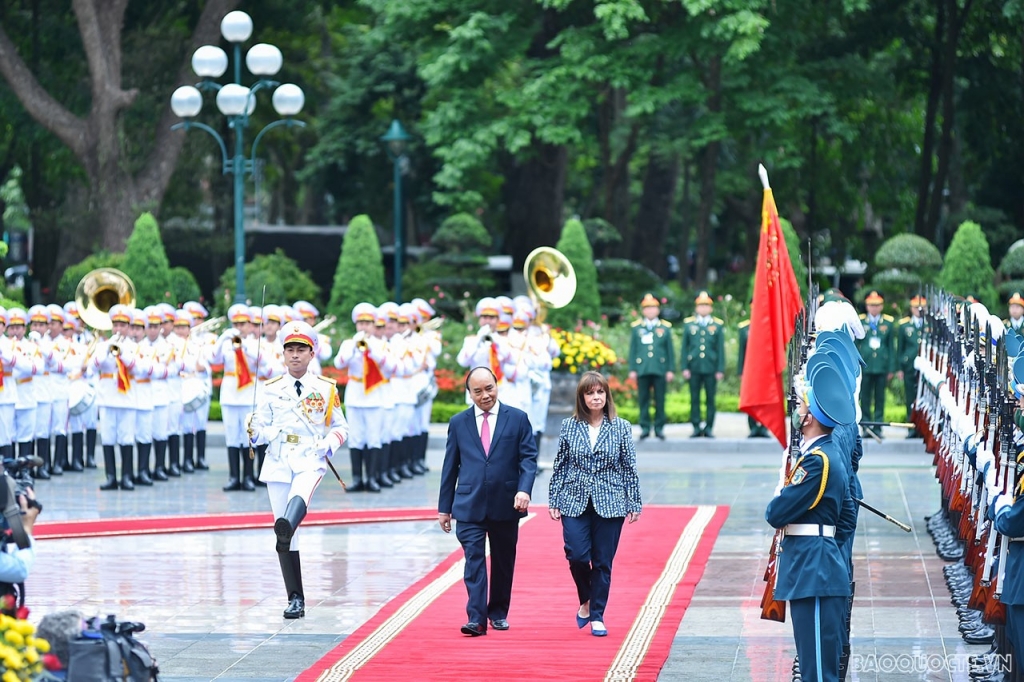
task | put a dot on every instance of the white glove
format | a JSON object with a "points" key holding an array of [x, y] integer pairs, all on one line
{"points": [[990, 483], [483, 331], [1002, 502], [360, 336], [985, 461], [782, 472], [323, 447]]}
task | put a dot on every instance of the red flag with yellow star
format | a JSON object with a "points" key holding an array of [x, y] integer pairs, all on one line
{"points": [[772, 318]]}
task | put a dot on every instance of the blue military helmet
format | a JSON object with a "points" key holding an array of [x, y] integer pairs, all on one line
{"points": [[841, 356], [844, 340], [1013, 345], [1017, 370], [833, 355], [827, 397]]}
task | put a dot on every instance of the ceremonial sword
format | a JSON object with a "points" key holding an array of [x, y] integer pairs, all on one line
{"points": [[885, 516]]}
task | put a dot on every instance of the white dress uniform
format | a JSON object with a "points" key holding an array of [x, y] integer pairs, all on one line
{"points": [[301, 420], [542, 343], [8, 390], [116, 396], [28, 365]]}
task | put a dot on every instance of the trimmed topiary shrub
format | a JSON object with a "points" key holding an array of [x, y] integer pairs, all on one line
{"points": [[360, 273], [284, 279], [183, 286], [462, 233], [145, 262], [967, 268], [74, 274], [586, 305]]}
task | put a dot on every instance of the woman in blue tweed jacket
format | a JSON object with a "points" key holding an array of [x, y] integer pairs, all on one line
{"points": [[594, 487]]}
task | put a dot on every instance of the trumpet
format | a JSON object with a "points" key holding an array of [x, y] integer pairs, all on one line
{"points": [[360, 340], [431, 325], [115, 348], [324, 323], [487, 336], [211, 325]]}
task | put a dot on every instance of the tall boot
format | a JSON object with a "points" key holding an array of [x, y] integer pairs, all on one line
{"points": [[187, 465], [60, 455], [286, 526], [77, 452], [261, 455], [110, 464], [233, 482], [247, 462], [356, 456], [127, 455], [291, 571], [418, 465], [90, 449], [43, 452], [143, 477], [371, 457], [201, 464], [159, 472], [384, 466], [405, 448], [174, 455]]}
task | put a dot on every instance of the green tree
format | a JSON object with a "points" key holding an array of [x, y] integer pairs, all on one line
{"points": [[183, 286], [284, 280], [904, 265], [586, 305], [145, 262], [74, 273], [360, 273], [967, 268], [1011, 270]]}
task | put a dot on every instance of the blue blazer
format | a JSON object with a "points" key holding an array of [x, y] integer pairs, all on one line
{"points": [[605, 473], [475, 487]]}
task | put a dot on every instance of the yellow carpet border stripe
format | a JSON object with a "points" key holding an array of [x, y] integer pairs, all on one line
{"points": [[396, 622], [638, 640]]}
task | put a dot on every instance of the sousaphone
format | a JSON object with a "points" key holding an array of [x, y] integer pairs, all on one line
{"points": [[101, 290], [550, 279]]}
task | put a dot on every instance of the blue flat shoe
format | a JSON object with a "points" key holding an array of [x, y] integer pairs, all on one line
{"points": [[581, 622], [597, 629]]}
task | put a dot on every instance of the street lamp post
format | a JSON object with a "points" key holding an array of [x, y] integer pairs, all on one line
{"points": [[396, 139], [237, 103]]}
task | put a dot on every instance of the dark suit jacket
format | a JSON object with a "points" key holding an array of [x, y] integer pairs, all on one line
{"points": [[475, 488]]}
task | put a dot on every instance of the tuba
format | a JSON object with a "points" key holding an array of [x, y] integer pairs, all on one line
{"points": [[101, 290], [550, 279]]}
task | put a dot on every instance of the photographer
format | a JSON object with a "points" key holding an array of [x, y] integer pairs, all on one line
{"points": [[16, 563]]}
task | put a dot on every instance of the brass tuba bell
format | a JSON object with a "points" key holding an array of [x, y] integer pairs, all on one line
{"points": [[101, 290], [550, 279]]}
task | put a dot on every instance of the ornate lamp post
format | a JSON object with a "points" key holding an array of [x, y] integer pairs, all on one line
{"points": [[237, 103], [396, 139]]}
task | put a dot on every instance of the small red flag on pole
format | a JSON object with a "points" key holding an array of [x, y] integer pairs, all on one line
{"points": [[772, 318]]}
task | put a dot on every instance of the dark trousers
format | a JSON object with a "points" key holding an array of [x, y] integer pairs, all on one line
{"points": [[819, 624], [1015, 632], [644, 384], [709, 383], [872, 399], [910, 388], [503, 536], [590, 544]]}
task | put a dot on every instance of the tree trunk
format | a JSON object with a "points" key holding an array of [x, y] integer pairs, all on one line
{"points": [[533, 193], [685, 225], [708, 176], [655, 211], [931, 112]]}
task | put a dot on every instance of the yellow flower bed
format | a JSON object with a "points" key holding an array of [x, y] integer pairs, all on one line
{"points": [[21, 653], [581, 353]]}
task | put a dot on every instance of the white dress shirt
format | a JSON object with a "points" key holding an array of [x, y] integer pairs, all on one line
{"points": [[492, 421]]}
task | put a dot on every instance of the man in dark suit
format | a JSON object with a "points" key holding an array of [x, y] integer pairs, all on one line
{"points": [[490, 462]]}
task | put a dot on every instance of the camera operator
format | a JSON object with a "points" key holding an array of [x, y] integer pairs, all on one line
{"points": [[15, 563]]}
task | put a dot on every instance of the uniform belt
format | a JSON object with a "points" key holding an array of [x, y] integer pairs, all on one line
{"points": [[106, 375], [142, 381], [25, 380], [812, 529], [1016, 539], [7, 374], [293, 439]]}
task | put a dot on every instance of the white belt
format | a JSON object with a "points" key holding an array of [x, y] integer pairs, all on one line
{"points": [[294, 439], [1016, 539], [811, 529]]}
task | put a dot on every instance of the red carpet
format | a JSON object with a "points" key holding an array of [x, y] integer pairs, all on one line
{"points": [[147, 525], [658, 565]]}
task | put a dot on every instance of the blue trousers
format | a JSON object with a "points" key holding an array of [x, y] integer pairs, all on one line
{"points": [[1015, 630], [473, 536], [590, 544], [819, 627]]}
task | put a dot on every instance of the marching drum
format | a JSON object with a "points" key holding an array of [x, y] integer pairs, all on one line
{"points": [[194, 394], [81, 396]]}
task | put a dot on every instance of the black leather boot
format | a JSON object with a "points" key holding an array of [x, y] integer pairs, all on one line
{"points": [[90, 449], [233, 464], [201, 464], [261, 455], [127, 479], [77, 452], [419, 466], [384, 466], [143, 477], [286, 526], [356, 456], [187, 463], [110, 465], [43, 453], [174, 455], [60, 456], [405, 450], [247, 462], [371, 459], [291, 571], [160, 450]]}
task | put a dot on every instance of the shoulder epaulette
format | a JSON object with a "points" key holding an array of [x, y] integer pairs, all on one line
{"points": [[887, 318], [904, 320], [718, 319], [1006, 323], [270, 381], [666, 323], [691, 318], [744, 323], [824, 476], [636, 323], [327, 379], [863, 316]]}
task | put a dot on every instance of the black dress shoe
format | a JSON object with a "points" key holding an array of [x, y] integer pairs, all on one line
{"points": [[697, 433], [644, 436], [474, 629], [660, 436], [499, 624], [296, 608]]}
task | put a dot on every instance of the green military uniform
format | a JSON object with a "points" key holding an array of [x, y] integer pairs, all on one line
{"points": [[757, 429], [651, 356], [703, 354], [908, 344], [880, 361], [1015, 326]]}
